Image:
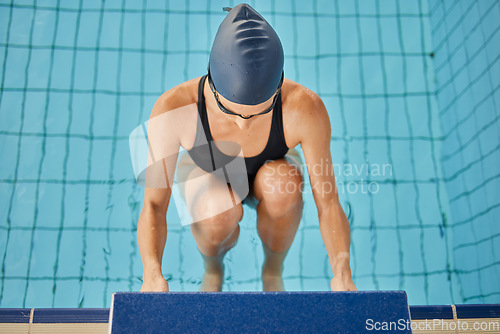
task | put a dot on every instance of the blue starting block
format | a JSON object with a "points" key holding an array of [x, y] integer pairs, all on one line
{"points": [[260, 312]]}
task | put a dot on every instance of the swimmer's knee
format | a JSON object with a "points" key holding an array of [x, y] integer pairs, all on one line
{"points": [[220, 227], [279, 205], [216, 208], [279, 186], [212, 198]]}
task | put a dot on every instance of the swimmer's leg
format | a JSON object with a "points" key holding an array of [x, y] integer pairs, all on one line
{"points": [[217, 231], [278, 188], [214, 238]]}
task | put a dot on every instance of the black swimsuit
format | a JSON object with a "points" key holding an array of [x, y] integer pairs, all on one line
{"points": [[209, 158]]}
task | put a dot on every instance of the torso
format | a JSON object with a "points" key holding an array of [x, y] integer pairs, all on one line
{"points": [[218, 155], [254, 138]]}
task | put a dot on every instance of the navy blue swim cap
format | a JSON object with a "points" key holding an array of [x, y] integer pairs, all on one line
{"points": [[246, 61]]}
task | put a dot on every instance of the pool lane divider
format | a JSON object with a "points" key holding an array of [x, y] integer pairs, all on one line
{"points": [[257, 312]]}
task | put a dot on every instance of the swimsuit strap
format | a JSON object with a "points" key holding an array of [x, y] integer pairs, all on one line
{"points": [[202, 110], [278, 110]]}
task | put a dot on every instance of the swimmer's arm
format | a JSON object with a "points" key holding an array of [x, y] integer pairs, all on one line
{"points": [[152, 225], [333, 223], [152, 236]]}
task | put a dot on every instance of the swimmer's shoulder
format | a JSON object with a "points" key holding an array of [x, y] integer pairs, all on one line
{"points": [[182, 95], [303, 110]]}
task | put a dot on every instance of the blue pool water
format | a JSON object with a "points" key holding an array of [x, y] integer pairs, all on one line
{"points": [[411, 86]]}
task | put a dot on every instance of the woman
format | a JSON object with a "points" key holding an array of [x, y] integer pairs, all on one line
{"points": [[245, 100]]}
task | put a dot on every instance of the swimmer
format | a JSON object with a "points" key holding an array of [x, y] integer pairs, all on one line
{"points": [[246, 99]]}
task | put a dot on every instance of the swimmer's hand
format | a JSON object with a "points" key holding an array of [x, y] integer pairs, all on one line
{"points": [[156, 285], [342, 283]]}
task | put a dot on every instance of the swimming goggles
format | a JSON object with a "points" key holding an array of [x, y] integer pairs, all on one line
{"points": [[229, 112]]}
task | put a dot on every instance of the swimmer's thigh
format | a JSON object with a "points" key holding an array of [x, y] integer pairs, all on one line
{"points": [[205, 195]]}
